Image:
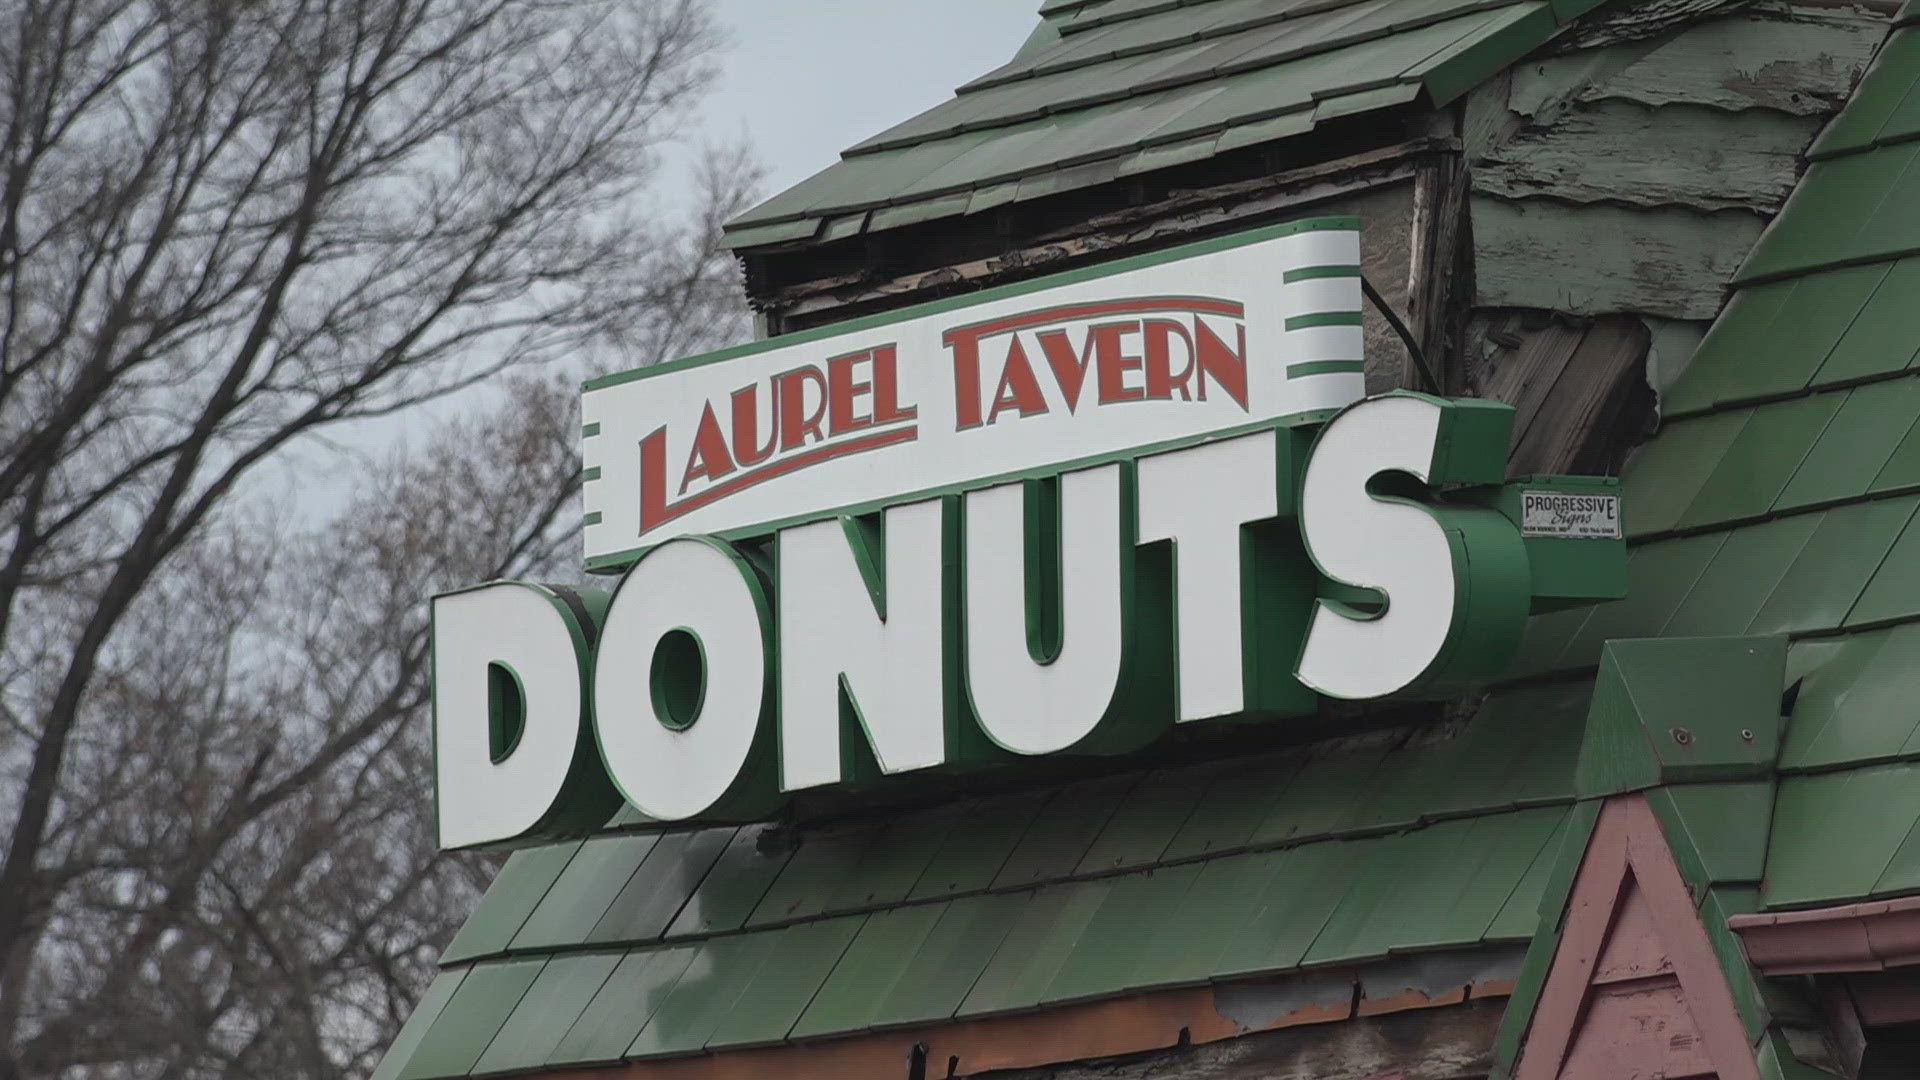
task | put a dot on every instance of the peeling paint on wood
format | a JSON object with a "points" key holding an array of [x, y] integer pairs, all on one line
{"points": [[1789, 58], [1593, 260], [1621, 151]]}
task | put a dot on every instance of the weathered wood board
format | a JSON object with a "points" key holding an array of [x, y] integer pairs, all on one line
{"points": [[1622, 151], [1597, 259]]}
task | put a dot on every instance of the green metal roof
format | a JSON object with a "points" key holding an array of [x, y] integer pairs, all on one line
{"points": [[630, 946], [1780, 497], [1110, 88]]}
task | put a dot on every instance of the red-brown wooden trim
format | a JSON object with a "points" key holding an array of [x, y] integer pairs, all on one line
{"points": [[1628, 851], [1870, 936]]}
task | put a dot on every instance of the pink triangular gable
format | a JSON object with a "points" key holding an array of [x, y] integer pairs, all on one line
{"points": [[1634, 989]]}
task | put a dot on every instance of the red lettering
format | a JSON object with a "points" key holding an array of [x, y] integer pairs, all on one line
{"points": [[1225, 366], [886, 390], [746, 425], [1112, 364], [965, 344], [1018, 388], [708, 457], [1162, 380], [796, 423], [653, 479], [1069, 369], [842, 390]]}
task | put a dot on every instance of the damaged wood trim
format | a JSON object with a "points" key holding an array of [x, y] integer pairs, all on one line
{"points": [[1184, 215], [1439, 275], [1871, 936]]}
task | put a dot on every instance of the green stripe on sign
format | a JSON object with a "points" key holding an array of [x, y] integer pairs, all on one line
{"points": [[591, 472], [1309, 273], [1323, 367], [592, 518], [1324, 318], [588, 431]]}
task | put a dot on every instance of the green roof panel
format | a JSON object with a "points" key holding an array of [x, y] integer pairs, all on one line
{"points": [[1835, 834], [623, 1004], [1844, 551], [584, 891], [1102, 92], [798, 963], [1853, 449], [516, 890], [1756, 467], [655, 893], [1735, 585], [1869, 114], [548, 1010], [471, 1018]]}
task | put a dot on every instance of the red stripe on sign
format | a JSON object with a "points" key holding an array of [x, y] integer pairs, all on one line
{"points": [[1201, 305], [773, 470]]}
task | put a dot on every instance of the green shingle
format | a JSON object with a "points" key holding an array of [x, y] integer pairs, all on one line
{"points": [[1835, 834], [1832, 568], [1756, 467], [622, 1006], [1894, 590], [515, 892], [547, 1011], [584, 890], [1060, 835], [817, 870], [1145, 822], [701, 998], [1151, 90], [1238, 801], [471, 1018], [655, 893], [1859, 706], [1822, 222], [795, 968], [1736, 584], [1663, 477], [1855, 446], [1737, 342], [1036, 946], [730, 891], [943, 969], [1303, 892], [1107, 953], [1718, 832], [1877, 100], [970, 858], [853, 993], [1884, 335], [1662, 573], [426, 1012]]}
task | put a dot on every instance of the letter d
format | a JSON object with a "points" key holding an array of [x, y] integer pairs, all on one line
{"points": [[513, 758]]}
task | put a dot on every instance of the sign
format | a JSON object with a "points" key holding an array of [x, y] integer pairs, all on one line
{"points": [[1054, 520], [1144, 352], [1557, 513]]}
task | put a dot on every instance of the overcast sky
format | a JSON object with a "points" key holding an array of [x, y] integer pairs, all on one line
{"points": [[805, 79]]}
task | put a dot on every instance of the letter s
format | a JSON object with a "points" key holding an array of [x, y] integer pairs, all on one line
{"points": [[1454, 577]]}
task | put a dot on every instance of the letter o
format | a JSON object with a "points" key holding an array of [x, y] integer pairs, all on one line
{"points": [[673, 767]]}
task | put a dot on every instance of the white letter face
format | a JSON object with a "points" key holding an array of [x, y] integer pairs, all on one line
{"points": [[485, 641], [1395, 547], [675, 755], [1024, 706], [1199, 498], [829, 628]]}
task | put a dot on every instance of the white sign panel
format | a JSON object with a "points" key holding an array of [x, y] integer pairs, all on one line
{"points": [[1570, 514], [1079, 367]]}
